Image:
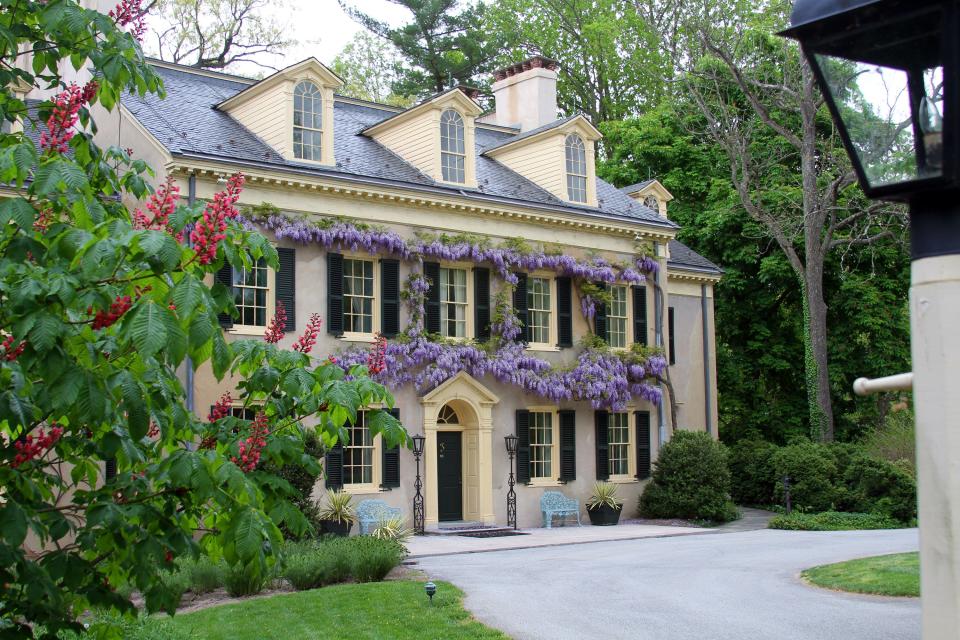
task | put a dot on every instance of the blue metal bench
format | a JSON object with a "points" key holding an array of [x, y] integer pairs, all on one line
{"points": [[554, 503], [370, 513]]}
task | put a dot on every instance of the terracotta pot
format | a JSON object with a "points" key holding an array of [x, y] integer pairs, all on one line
{"points": [[604, 515]]}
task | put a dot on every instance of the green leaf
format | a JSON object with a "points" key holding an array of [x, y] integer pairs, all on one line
{"points": [[149, 331], [247, 536], [45, 332], [221, 355], [387, 426], [18, 210], [13, 524], [187, 295], [134, 405], [160, 246]]}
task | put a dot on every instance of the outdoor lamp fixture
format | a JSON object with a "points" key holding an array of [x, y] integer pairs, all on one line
{"points": [[511, 442], [418, 514], [431, 589], [889, 71]]}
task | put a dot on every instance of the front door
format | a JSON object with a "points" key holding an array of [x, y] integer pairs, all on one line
{"points": [[449, 475]]}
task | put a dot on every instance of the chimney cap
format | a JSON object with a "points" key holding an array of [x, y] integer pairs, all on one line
{"points": [[533, 62], [471, 92]]}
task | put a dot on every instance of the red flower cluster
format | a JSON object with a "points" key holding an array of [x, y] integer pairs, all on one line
{"points": [[30, 447], [251, 447], [10, 352], [161, 205], [278, 324], [118, 307], [207, 234], [44, 220], [219, 410], [66, 110], [377, 360], [307, 341], [129, 12]]}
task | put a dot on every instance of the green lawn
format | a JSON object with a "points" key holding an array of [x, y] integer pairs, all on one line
{"points": [[893, 575], [379, 611]]}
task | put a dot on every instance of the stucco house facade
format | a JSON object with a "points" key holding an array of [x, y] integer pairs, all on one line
{"points": [[372, 206]]}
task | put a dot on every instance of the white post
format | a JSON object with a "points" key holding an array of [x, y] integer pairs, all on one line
{"points": [[935, 347]]}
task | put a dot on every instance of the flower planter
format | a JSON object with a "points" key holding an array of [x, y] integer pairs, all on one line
{"points": [[604, 515], [336, 528]]}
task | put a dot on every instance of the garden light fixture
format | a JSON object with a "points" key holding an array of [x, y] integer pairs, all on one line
{"points": [[431, 589]]}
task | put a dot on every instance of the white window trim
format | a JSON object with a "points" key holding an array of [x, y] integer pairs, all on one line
{"points": [[554, 448], [552, 344], [323, 120], [628, 330], [376, 475], [360, 336], [631, 476], [466, 149], [254, 330], [586, 167], [469, 330]]}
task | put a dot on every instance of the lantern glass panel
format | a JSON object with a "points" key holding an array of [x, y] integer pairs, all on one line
{"points": [[892, 116]]}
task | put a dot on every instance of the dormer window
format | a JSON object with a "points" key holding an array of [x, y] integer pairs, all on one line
{"points": [[453, 157], [307, 121], [652, 203], [576, 169]]}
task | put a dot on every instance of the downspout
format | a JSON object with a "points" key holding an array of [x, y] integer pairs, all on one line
{"points": [[658, 340], [707, 387], [191, 199]]}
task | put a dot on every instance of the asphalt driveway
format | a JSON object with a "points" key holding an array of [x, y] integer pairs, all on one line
{"points": [[737, 586]]}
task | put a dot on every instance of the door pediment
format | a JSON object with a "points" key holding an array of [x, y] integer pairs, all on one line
{"points": [[462, 386]]}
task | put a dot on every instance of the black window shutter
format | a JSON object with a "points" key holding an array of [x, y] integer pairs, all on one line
{"points": [[564, 313], [568, 445], [333, 465], [520, 306], [225, 277], [600, 318], [671, 344], [391, 461], [523, 445], [110, 469], [640, 314], [389, 297], [431, 270], [642, 419], [287, 284], [335, 293], [481, 302], [602, 420]]}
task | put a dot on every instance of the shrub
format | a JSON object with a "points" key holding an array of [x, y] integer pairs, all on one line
{"points": [[690, 480], [831, 521], [371, 559], [393, 529], [203, 574], [812, 470], [316, 564], [302, 477], [177, 582], [882, 487], [895, 441], [752, 474], [242, 581]]}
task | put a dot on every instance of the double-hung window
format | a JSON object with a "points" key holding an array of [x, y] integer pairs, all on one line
{"points": [[541, 445], [539, 310], [617, 317], [620, 442], [453, 156], [358, 453], [576, 160], [358, 296], [251, 295], [307, 121], [453, 302]]}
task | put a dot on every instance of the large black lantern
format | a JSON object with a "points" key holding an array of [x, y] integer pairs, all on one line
{"points": [[888, 70]]}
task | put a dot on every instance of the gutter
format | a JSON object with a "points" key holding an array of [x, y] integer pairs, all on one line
{"points": [[658, 341], [379, 182], [707, 390], [191, 199]]}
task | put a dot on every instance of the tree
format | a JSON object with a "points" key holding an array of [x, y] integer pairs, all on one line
{"points": [[751, 86], [444, 45], [370, 67], [217, 34], [100, 309], [610, 56]]}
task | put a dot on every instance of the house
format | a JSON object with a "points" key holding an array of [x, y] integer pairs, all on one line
{"points": [[483, 246]]}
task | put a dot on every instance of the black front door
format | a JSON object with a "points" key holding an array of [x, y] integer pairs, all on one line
{"points": [[449, 476]]}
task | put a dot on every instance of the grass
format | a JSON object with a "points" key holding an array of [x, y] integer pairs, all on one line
{"points": [[832, 521], [394, 610], [893, 575]]}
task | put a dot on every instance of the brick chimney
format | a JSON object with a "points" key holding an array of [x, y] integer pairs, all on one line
{"points": [[525, 94]]}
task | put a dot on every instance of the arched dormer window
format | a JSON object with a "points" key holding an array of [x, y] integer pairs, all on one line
{"points": [[576, 168], [307, 121], [453, 157]]}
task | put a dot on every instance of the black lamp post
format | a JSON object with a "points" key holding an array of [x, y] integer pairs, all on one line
{"points": [[418, 515], [889, 71], [511, 442]]}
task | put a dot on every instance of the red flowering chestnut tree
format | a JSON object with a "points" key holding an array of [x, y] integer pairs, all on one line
{"points": [[100, 308]]}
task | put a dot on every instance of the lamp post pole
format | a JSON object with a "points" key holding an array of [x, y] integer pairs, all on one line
{"points": [[511, 442], [418, 514]]}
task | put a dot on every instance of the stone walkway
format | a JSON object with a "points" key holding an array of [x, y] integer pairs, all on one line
{"points": [[434, 545]]}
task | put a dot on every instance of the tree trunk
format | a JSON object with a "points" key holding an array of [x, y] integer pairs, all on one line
{"points": [[816, 368]]}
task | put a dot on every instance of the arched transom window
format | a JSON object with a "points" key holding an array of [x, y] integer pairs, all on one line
{"points": [[448, 415], [307, 121], [576, 169], [453, 155]]}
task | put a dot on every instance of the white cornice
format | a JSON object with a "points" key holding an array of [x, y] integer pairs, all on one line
{"points": [[675, 272]]}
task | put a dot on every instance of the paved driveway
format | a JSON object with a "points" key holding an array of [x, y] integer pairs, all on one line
{"points": [[737, 586]]}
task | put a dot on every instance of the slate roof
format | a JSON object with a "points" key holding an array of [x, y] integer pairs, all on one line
{"points": [[640, 186], [683, 256], [187, 123], [531, 132]]}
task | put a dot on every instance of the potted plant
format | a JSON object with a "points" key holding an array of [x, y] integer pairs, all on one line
{"points": [[336, 514], [604, 507]]}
